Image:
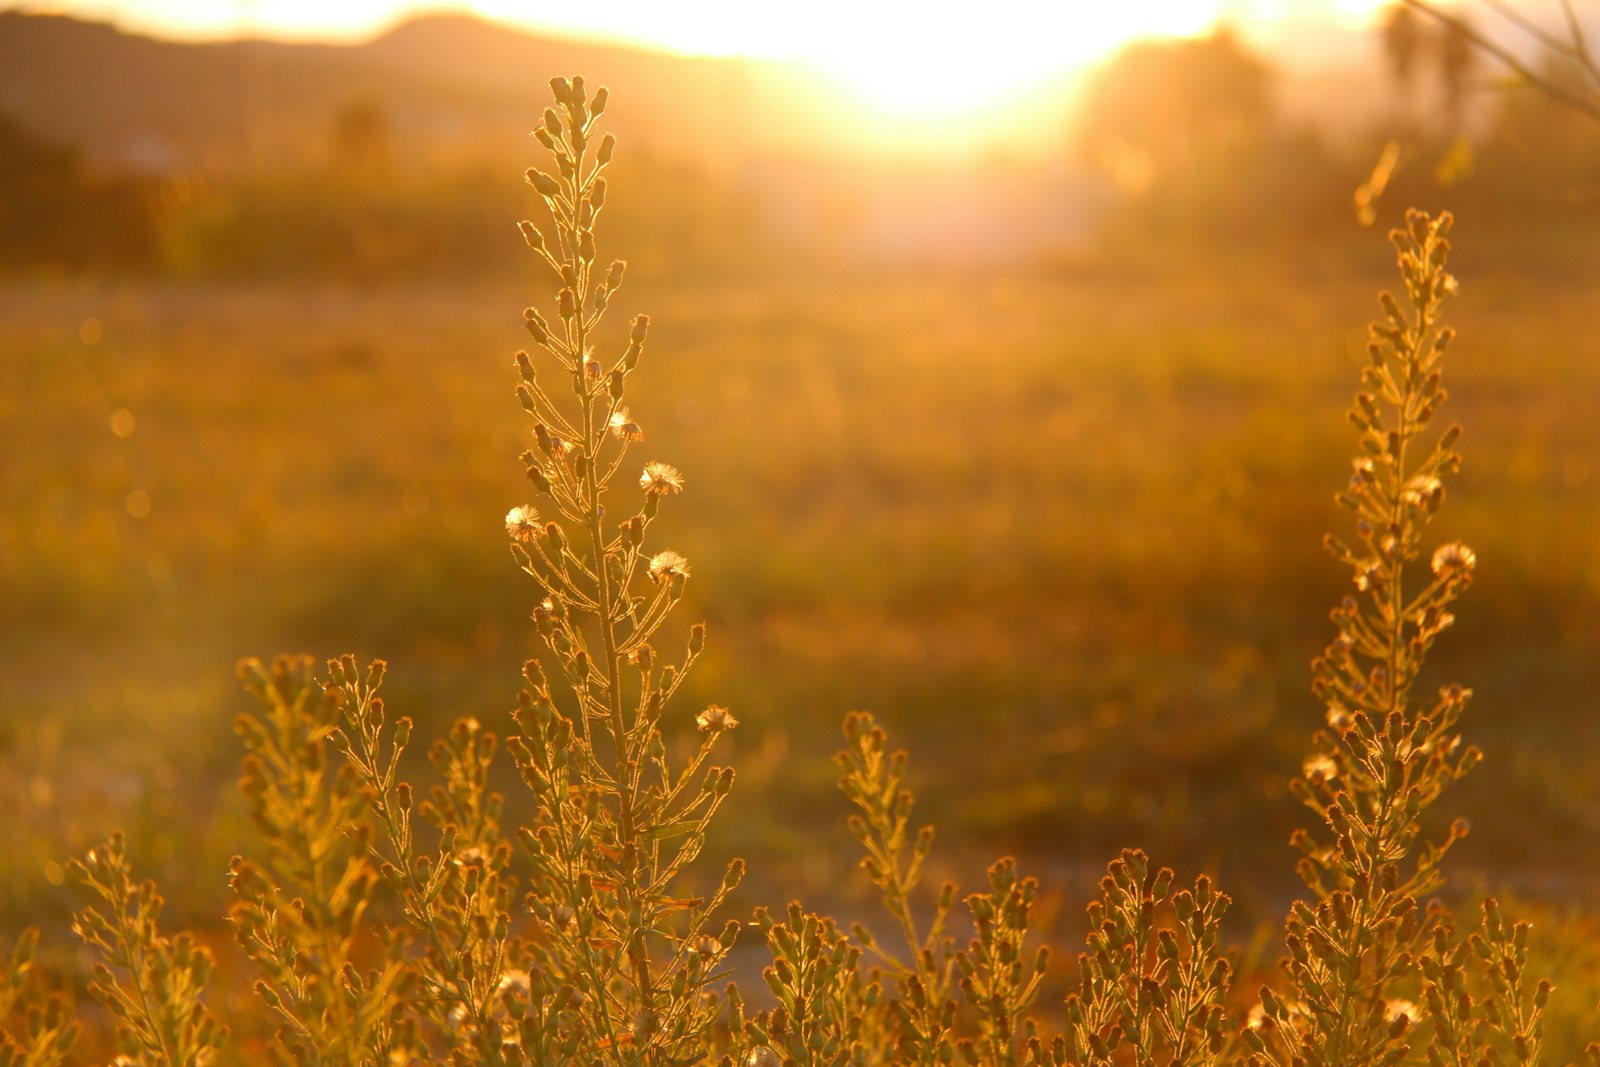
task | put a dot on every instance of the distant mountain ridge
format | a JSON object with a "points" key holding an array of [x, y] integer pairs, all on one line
{"points": [[442, 81]]}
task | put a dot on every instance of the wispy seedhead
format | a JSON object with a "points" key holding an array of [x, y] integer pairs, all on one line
{"points": [[522, 523], [716, 719], [668, 566], [661, 479], [623, 426], [1454, 560]]}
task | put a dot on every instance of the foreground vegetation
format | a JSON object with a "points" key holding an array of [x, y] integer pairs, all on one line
{"points": [[1146, 583]]}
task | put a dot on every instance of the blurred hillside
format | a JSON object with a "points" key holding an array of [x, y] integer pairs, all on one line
{"points": [[445, 83]]}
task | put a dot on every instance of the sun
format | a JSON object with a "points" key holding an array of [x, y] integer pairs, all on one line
{"points": [[961, 63]]}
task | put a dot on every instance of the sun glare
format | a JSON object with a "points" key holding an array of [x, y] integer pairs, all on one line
{"points": [[964, 63], [917, 64], [912, 62]]}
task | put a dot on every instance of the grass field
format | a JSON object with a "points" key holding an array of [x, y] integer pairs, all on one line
{"points": [[1059, 528]]}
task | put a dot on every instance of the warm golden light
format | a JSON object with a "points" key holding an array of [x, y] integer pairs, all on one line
{"points": [[919, 73], [963, 63], [894, 51]]}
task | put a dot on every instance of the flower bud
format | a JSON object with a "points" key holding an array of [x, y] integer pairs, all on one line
{"points": [[536, 326], [542, 183]]}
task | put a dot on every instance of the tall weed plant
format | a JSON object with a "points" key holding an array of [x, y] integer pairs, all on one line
{"points": [[392, 924]]}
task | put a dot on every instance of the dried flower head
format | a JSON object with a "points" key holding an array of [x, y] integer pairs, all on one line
{"points": [[515, 982], [1422, 488], [471, 857], [1339, 717], [716, 719], [661, 479], [1453, 558], [1398, 1008], [623, 426], [522, 523], [667, 565], [1320, 768]]}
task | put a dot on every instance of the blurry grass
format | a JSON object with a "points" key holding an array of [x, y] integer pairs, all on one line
{"points": [[1059, 529]]}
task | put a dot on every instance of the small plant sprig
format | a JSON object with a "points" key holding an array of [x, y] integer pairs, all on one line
{"points": [[874, 781], [1504, 1024], [153, 985], [1155, 978], [998, 980], [923, 1021], [455, 896], [36, 1025], [826, 1011], [619, 819], [302, 908]]}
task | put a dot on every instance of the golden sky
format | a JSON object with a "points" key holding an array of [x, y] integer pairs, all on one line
{"points": [[895, 53]]}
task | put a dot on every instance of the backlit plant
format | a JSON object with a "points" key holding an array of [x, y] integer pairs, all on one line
{"points": [[563, 925]]}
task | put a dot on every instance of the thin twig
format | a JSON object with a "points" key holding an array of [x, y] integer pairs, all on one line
{"points": [[1580, 43], [1588, 107], [1528, 26]]}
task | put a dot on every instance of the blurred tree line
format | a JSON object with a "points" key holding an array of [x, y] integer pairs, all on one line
{"points": [[357, 206], [1190, 132], [1189, 136], [55, 212]]}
